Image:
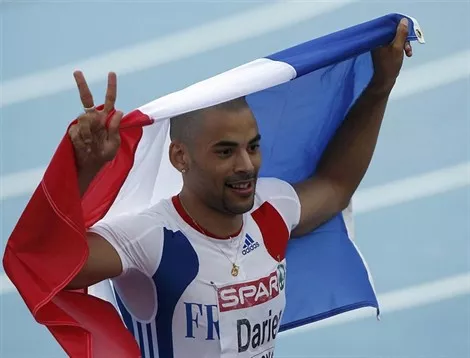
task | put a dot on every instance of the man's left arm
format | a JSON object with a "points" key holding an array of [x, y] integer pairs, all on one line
{"points": [[349, 153]]}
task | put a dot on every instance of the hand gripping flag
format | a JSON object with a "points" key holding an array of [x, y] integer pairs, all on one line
{"points": [[299, 97]]}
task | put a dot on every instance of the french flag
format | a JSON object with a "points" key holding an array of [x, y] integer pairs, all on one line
{"points": [[299, 97]]}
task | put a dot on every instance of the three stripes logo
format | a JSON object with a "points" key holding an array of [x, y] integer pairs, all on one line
{"points": [[249, 245]]}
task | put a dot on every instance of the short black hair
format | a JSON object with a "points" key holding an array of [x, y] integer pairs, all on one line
{"points": [[183, 127]]}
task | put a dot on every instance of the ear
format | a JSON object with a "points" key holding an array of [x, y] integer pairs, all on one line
{"points": [[178, 156]]}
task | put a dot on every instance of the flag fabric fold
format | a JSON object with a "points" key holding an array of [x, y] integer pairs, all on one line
{"points": [[299, 97]]}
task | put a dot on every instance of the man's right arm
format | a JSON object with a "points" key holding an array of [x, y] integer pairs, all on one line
{"points": [[118, 244], [95, 144], [103, 261]]}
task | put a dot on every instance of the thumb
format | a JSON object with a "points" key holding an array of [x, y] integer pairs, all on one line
{"points": [[401, 34], [114, 123]]}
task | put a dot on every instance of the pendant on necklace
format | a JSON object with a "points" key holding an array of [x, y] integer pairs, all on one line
{"points": [[234, 270]]}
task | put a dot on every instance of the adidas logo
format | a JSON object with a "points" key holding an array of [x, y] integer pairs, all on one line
{"points": [[249, 245]]}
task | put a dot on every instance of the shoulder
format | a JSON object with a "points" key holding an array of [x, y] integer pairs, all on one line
{"points": [[281, 196], [271, 188], [139, 223], [138, 236]]}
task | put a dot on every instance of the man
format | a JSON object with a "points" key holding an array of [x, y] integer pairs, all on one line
{"points": [[183, 279]]}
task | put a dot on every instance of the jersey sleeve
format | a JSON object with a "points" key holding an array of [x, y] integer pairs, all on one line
{"points": [[283, 197], [136, 238]]}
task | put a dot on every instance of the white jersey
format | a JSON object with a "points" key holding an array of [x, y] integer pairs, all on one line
{"points": [[177, 295]]}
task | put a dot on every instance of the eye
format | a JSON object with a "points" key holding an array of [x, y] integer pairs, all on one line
{"points": [[225, 152], [253, 147]]}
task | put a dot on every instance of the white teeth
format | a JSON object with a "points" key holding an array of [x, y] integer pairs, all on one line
{"points": [[241, 186]]}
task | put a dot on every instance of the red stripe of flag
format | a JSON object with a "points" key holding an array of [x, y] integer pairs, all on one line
{"points": [[47, 248]]}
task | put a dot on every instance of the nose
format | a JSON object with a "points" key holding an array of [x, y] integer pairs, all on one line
{"points": [[244, 162]]}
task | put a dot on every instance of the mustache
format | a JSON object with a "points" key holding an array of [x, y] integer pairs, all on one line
{"points": [[241, 177]]}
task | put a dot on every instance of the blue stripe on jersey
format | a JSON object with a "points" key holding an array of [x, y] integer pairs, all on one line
{"points": [[125, 314], [178, 268], [150, 340], [141, 339]]}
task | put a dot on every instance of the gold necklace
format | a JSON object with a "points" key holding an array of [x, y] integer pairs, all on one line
{"points": [[235, 268]]}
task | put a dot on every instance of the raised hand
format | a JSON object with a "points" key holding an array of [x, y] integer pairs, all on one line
{"points": [[94, 142], [388, 60]]}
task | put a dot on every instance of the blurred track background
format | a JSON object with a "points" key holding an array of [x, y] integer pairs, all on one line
{"points": [[413, 221]]}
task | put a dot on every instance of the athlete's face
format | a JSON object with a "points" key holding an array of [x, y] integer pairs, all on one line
{"points": [[225, 161]]}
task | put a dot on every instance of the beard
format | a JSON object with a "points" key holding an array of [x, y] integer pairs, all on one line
{"points": [[236, 203], [222, 196]]}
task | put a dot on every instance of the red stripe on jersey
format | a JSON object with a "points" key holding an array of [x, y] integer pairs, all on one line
{"points": [[273, 229]]}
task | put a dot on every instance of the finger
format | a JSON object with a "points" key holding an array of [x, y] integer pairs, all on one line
{"points": [[408, 49], [83, 90], [76, 138], [111, 92], [73, 133], [84, 122], [401, 34], [113, 127]]}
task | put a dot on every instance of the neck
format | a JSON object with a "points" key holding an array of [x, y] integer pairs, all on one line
{"points": [[212, 222]]}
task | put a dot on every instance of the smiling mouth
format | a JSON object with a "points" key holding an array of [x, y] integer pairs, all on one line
{"points": [[242, 187]]}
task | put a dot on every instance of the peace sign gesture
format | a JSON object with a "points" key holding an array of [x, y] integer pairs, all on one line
{"points": [[93, 142]]}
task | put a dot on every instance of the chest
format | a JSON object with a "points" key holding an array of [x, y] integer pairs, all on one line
{"points": [[197, 297], [196, 265]]}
